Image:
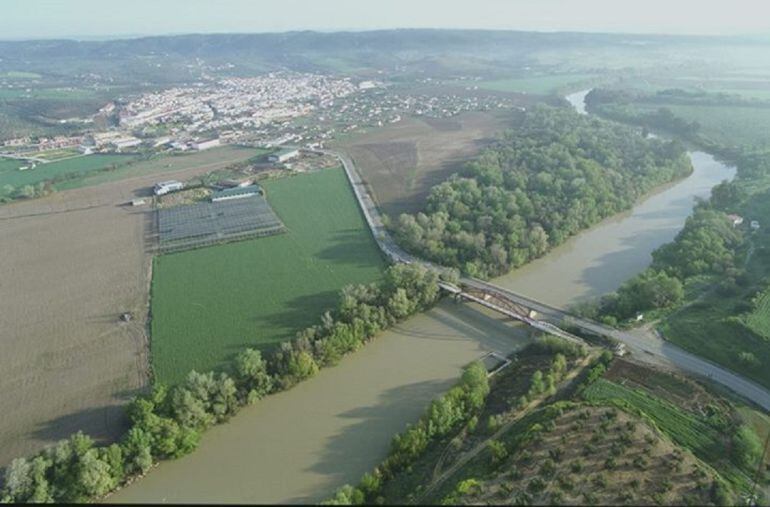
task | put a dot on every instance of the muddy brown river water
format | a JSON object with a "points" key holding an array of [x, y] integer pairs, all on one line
{"points": [[300, 445]]}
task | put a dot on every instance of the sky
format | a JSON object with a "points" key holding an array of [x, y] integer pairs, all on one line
{"points": [[28, 19]]}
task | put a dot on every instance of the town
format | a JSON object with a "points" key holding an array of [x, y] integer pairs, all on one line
{"points": [[275, 109]]}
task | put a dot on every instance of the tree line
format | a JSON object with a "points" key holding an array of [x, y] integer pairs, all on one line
{"points": [[167, 422], [707, 245], [460, 406], [552, 175], [444, 415]]}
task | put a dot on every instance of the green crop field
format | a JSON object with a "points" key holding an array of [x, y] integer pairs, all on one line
{"points": [[682, 427], [215, 159], [540, 85], [210, 303], [12, 178]]}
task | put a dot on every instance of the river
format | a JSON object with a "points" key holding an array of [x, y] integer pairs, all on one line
{"points": [[299, 446]]}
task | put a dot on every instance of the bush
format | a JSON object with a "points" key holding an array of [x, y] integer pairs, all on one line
{"points": [[498, 450], [747, 447]]}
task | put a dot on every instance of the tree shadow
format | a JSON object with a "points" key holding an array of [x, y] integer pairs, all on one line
{"points": [[104, 424], [351, 247], [612, 269], [343, 458]]}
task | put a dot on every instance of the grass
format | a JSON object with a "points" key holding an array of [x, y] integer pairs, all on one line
{"points": [[759, 422], [165, 163], [720, 326], [48, 93], [684, 428], [542, 85], [53, 155], [11, 175], [759, 319], [17, 74], [208, 304]]}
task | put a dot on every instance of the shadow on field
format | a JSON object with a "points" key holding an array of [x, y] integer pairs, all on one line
{"points": [[301, 312], [364, 442], [103, 424], [350, 248]]}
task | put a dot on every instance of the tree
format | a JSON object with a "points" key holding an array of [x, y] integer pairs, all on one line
{"points": [[137, 450], [649, 290], [251, 375], [537, 385], [95, 477]]}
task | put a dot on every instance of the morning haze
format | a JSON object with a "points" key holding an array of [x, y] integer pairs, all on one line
{"points": [[408, 252], [97, 18]]}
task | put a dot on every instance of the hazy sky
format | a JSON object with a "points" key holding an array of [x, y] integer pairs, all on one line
{"points": [[95, 18]]}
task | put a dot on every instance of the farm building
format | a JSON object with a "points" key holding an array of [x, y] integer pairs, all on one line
{"points": [[236, 193], [205, 145], [284, 155], [126, 142]]}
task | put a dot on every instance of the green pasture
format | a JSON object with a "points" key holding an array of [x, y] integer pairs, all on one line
{"points": [[11, 178], [541, 85], [210, 303]]}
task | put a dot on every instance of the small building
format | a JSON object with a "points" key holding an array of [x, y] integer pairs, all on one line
{"points": [[161, 141], [236, 193], [754, 225], [126, 142], [284, 155], [736, 220], [85, 149], [206, 144], [232, 182], [164, 187]]}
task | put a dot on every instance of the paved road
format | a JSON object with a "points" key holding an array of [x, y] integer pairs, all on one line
{"points": [[646, 345], [656, 347]]}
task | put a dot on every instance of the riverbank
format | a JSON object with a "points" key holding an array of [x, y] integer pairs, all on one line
{"points": [[298, 446]]}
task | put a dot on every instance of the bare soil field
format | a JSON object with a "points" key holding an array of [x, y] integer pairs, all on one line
{"points": [[403, 160], [71, 264]]}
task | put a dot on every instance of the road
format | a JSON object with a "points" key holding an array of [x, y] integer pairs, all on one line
{"points": [[653, 346]]}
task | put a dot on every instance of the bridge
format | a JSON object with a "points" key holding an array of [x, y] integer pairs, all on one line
{"points": [[495, 300], [545, 317]]}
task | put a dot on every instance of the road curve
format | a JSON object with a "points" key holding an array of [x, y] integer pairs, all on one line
{"points": [[657, 347]]}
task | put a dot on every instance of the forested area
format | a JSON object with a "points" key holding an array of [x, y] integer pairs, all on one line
{"points": [[553, 174], [168, 422]]}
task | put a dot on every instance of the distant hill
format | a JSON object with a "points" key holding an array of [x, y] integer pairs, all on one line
{"points": [[406, 51]]}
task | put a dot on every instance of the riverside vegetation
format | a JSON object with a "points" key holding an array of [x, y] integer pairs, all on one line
{"points": [[167, 423], [552, 175], [594, 441], [707, 286]]}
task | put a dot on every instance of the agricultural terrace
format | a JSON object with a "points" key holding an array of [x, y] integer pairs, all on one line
{"points": [[13, 179], [210, 303]]}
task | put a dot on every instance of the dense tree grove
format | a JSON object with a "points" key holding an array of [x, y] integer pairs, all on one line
{"points": [[554, 174], [167, 423]]}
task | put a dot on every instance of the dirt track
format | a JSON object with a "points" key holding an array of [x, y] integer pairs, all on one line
{"points": [[70, 263]]}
